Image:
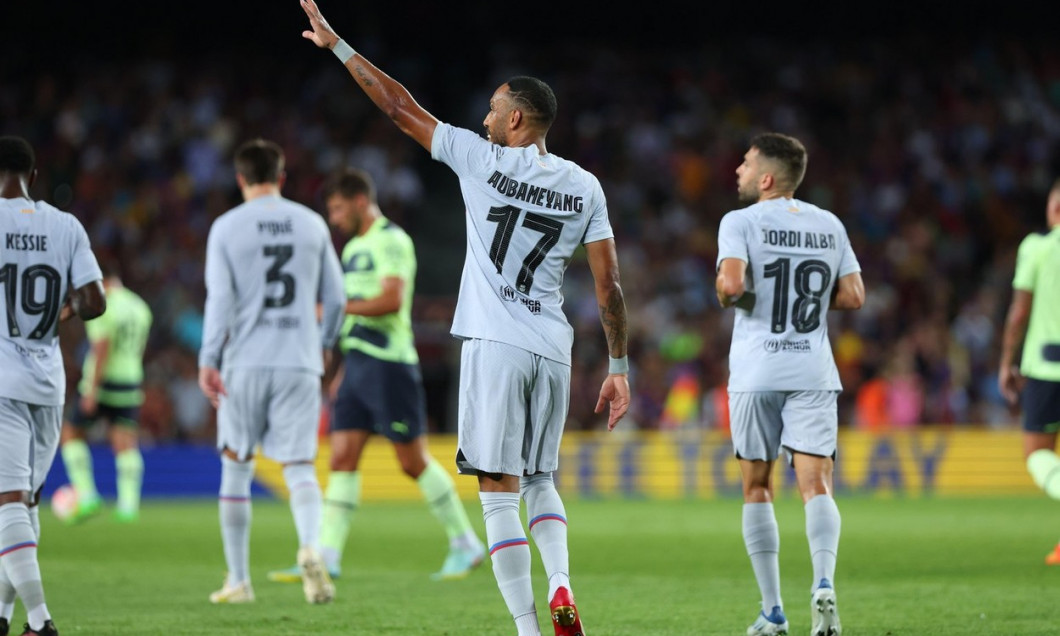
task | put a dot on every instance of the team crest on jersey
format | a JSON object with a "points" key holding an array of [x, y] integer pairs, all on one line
{"points": [[507, 293]]}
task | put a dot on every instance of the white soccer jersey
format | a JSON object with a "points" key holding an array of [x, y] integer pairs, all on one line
{"points": [[45, 254], [526, 214], [268, 262], [795, 252]]}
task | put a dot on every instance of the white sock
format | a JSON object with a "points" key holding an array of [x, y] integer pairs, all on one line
{"points": [[548, 525], [235, 512], [7, 596], [510, 553], [822, 533], [18, 558], [306, 502], [762, 538]]}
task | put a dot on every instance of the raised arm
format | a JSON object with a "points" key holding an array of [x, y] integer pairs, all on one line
{"points": [[603, 262], [389, 95]]}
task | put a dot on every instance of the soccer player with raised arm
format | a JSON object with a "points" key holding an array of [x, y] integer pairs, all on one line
{"points": [[526, 212], [1033, 325], [269, 262], [381, 390], [110, 390], [48, 273], [782, 264]]}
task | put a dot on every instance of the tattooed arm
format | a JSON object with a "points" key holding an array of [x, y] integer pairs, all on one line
{"points": [[387, 93], [603, 261]]}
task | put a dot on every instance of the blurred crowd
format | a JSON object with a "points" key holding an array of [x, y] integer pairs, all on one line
{"points": [[937, 158]]}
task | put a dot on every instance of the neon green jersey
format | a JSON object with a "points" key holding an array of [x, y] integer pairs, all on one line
{"points": [[124, 326], [385, 251], [1038, 272]]}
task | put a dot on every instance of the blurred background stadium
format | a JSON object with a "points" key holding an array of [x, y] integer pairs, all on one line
{"points": [[934, 136]]}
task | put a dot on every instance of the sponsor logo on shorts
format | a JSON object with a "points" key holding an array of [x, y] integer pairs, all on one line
{"points": [[787, 346]]}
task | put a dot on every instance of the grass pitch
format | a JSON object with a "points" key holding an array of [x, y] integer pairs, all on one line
{"points": [[906, 567]]}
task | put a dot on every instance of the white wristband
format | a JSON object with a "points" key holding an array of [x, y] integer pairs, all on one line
{"points": [[616, 366], [343, 51]]}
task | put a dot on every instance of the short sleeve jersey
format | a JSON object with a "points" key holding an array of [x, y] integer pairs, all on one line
{"points": [[1037, 265], [795, 252], [268, 261], [526, 214], [384, 251], [45, 253], [125, 327]]}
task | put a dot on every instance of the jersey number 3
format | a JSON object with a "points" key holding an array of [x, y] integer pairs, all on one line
{"points": [[505, 217], [279, 254]]}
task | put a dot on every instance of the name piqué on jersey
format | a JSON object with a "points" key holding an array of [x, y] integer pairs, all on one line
{"points": [[275, 227]]}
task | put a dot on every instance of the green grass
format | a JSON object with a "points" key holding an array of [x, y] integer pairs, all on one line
{"points": [[906, 567]]}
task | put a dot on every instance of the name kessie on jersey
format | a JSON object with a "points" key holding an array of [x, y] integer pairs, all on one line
{"points": [[798, 238], [27, 242], [535, 195]]}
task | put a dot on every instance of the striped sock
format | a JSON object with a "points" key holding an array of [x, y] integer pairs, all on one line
{"points": [[235, 512], [18, 558], [548, 525], [510, 553]]}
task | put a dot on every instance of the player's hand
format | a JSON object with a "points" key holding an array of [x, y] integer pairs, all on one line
{"points": [[615, 391], [67, 310], [321, 34], [211, 384], [89, 404], [1010, 381]]}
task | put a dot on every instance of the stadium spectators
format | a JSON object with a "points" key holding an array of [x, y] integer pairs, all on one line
{"points": [[935, 157]]}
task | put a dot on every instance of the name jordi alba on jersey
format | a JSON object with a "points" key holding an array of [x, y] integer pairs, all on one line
{"points": [[795, 252], [526, 214]]}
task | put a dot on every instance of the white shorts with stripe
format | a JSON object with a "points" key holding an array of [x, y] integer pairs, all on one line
{"points": [[277, 408], [512, 408], [29, 438], [763, 422]]}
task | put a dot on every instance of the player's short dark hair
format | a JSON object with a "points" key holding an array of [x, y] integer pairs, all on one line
{"points": [[786, 151], [349, 183], [534, 98], [16, 155], [259, 161], [1056, 187]]}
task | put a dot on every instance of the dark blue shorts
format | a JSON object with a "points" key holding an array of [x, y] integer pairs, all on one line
{"points": [[116, 415], [380, 397], [1041, 406]]}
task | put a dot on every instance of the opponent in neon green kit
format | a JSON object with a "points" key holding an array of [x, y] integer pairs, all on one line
{"points": [[110, 390], [1034, 322]]}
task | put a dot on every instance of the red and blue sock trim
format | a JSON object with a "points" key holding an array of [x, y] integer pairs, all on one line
{"points": [[500, 545], [18, 546], [547, 517], [233, 499]]}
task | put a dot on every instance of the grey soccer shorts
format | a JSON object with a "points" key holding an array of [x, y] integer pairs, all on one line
{"points": [[277, 408], [763, 422], [512, 409], [29, 438]]}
